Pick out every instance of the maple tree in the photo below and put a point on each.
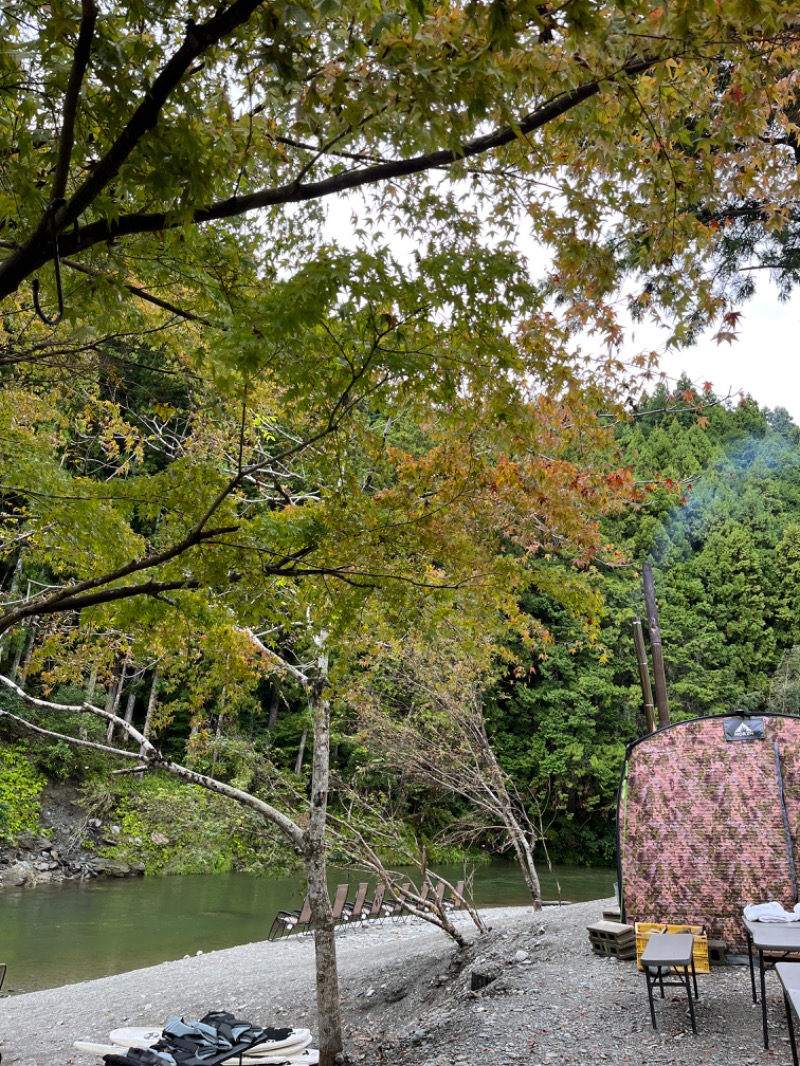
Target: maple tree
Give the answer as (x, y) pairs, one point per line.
(199, 394)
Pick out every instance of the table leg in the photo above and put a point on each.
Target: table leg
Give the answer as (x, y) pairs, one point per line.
(650, 982)
(763, 996)
(752, 970)
(790, 1025)
(694, 978)
(689, 994)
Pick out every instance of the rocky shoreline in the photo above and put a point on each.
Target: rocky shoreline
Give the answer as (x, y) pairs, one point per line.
(65, 849)
(408, 1000)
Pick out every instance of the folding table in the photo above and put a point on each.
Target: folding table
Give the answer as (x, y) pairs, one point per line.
(789, 977)
(778, 938)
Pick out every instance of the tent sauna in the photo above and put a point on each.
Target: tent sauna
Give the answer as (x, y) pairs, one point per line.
(707, 821)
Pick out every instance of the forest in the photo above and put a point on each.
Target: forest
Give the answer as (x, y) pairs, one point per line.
(716, 512)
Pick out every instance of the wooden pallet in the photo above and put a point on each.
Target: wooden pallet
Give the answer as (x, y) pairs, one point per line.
(613, 940)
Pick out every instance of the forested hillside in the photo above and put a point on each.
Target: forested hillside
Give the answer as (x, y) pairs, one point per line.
(715, 509)
(719, 520)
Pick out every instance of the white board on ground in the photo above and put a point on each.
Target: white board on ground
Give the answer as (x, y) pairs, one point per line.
(147, 1035)
(292, 1056)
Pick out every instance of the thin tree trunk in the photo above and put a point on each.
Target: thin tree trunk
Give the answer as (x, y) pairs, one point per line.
(12, 673)
(92, 685)
(129, 706)
(113, 701)
(26, 660)
(274, 701)
(298, 763)
(148, 718)
(521, 845)
(151, 705)
(328, 1007)
(220, 717)
(520, 840)
(13, 589)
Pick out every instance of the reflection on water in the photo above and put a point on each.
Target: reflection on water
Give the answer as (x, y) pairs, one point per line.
(59, 934)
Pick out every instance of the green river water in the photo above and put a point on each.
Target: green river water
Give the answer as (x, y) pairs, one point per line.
(59, 934)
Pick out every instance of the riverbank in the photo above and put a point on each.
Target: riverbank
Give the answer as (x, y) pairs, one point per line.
(407, 1001)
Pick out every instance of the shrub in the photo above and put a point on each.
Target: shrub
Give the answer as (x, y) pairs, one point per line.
(20, 793)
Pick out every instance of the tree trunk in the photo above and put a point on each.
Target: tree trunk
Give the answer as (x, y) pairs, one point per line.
(13, 589)
(12, 673)
(298, 763)
(92, 684)
(26, 659)
(524, 852)
(659, 673)
(504, 805)
(129, 706)
(148, 719)
(151, 705)
(274, 700)
(114, 697)
(328, 1007)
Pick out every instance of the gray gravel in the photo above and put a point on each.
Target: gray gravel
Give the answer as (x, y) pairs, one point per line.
(406, 1000)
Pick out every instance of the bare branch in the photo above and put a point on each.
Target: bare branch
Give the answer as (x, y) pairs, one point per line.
(147, 752)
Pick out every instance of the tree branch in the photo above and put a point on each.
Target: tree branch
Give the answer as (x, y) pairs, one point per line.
(80, 62)
(36, 250)
(149, 754)
(199, 38)
(137, 290)
(73, 595)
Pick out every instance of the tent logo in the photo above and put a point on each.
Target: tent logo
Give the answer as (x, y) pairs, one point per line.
(744, 728)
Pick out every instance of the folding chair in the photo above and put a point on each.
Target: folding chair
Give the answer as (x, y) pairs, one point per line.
(286, 922)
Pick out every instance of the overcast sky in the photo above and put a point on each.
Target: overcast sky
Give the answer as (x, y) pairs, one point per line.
(762, 361)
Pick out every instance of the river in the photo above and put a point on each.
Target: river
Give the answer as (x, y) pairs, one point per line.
(59, 934)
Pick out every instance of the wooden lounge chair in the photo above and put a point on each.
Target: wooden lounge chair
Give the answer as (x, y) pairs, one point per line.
(437, 899)
(373, 908)
(397, 907)
(354, 912)
(456, 901)
(339, 901)
(286, 922)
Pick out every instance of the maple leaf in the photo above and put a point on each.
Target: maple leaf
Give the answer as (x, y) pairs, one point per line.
(725, 335)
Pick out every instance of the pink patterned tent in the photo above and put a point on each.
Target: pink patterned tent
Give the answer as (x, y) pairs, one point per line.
(708, 824)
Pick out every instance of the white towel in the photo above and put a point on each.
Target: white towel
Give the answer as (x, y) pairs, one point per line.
(771, 912)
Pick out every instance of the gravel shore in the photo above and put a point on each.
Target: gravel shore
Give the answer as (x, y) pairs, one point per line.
(407, 1001)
